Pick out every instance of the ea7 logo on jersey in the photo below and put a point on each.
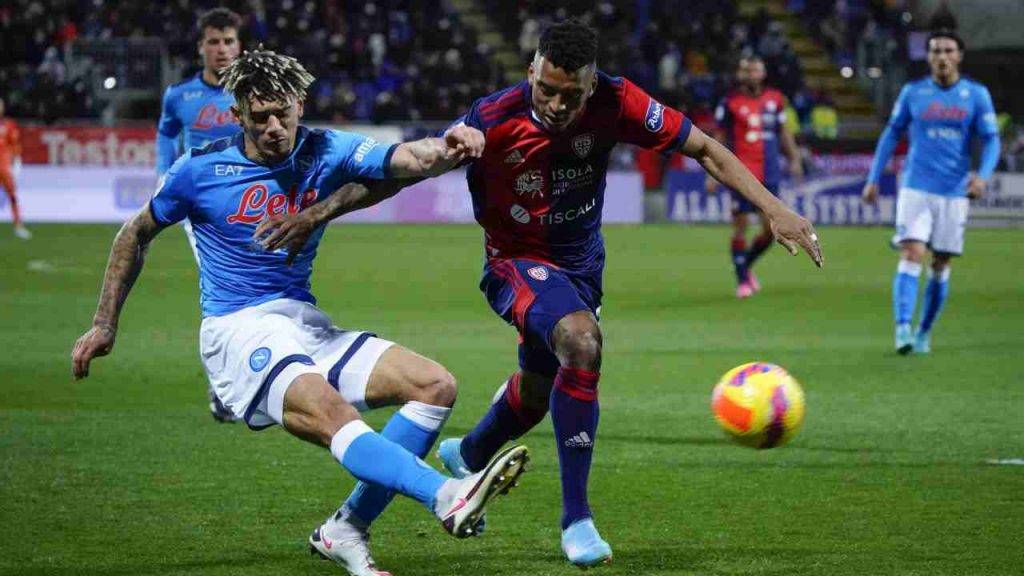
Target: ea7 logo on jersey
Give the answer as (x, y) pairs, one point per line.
(538, 273)
(530, 182)
(655, 118)
(582, 144)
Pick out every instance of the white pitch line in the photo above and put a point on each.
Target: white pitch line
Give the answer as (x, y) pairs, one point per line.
(1006, 462)
(40, 266)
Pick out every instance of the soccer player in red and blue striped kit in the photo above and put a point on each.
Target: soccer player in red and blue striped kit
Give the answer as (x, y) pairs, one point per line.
(538, 191)
(752, 121)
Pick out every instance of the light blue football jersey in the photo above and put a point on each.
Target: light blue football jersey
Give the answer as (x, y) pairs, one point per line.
(942, 121)
(225, 195)
(198, 112)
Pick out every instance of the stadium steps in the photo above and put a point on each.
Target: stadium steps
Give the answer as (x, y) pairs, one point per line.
(472, 15)
(857, 114)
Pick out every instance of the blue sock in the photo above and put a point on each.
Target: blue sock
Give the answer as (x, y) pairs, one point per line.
(414, 427)
(507, 419)
(373, 458)
(935, 294)
(904, 291)
(761, 245)
(574, 413)
(739, 258)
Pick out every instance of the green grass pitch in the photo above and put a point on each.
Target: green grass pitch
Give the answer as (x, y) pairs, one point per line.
(126, 474)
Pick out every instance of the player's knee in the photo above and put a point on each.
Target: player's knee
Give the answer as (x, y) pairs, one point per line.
(315, 413)
(437, 387)
(912, 252)
(940, 262)
(581, 348)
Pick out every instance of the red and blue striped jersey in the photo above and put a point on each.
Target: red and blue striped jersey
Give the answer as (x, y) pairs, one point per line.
(539, 194)
(752, 126)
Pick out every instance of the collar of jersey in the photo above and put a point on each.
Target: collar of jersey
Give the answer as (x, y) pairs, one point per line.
(300, 138)
(944, 88)
(203, 81)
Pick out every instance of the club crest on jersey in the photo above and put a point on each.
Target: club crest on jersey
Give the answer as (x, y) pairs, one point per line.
(538, 273)
(305, 163)
(655, 118)
(582, 144)
(530, 182)
(259, 359)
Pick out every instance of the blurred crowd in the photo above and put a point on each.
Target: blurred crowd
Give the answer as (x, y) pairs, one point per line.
(379, 61)
(682, 51)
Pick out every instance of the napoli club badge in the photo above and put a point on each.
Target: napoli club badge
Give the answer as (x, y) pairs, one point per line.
(582, 144)
(259, 359)
(538, 273)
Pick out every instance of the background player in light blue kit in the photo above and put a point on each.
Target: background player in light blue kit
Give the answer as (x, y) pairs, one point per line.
(271, 355)
(197, 111)
(943, 113)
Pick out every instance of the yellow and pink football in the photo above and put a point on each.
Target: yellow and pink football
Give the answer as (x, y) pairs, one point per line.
(759, 404)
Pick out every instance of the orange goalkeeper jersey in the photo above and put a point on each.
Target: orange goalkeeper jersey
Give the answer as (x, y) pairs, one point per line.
(10, 143)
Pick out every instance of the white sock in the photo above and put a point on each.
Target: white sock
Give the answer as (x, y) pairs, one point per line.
(344, 437)
(426, 416)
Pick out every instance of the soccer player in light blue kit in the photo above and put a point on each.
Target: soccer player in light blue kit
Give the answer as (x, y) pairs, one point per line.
(198, 111)
(943, 113)
(271, 355)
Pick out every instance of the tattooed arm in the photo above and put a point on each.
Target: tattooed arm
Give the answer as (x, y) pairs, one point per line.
(123, 267)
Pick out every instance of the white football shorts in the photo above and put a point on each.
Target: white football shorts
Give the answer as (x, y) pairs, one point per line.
(934, 219)
(251, 357)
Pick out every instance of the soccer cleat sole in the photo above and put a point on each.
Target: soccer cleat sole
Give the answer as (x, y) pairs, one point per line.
(506, 479)
(602, 562)
(905, 349)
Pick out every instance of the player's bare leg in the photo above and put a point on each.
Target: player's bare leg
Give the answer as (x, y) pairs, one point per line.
(314, 411)
(428, 392)
(935, 294)
(577, 342)
(904, 292)
(738, 249)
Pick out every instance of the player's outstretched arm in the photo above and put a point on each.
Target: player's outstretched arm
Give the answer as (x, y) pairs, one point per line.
(791, 230)
(294, 230)
(433, 156)
(123, 267)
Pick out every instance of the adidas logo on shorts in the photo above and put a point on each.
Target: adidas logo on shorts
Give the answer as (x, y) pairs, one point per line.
(581, 440)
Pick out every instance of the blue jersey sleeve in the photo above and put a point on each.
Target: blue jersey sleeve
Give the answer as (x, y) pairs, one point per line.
(985, 123)
(350, 156)
(898, 122)
(901, 117)
(167, 134)
(174, 194)
(986, 126)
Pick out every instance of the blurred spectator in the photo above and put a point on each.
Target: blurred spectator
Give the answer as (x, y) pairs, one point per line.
(824, 118)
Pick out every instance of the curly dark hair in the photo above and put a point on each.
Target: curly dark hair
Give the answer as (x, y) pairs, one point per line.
(218, 19)
(569, 45)
(265, 76)
(946, 33)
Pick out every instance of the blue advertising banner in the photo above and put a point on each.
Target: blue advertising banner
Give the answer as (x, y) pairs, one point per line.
(821, 197)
